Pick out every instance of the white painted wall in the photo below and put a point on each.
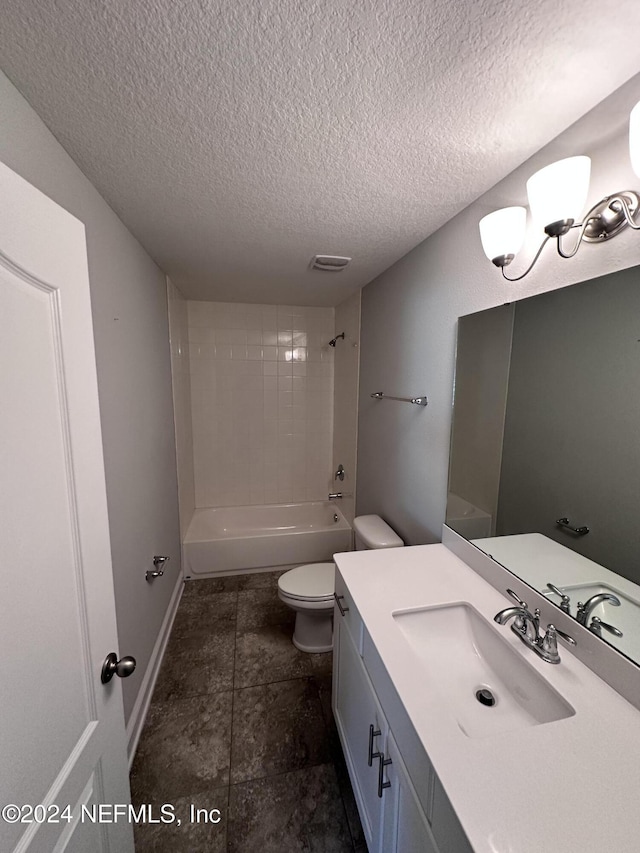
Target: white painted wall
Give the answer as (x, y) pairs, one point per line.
(409, 317)
(180, 374)
(262, 402)
(129, 305)
(345, 401)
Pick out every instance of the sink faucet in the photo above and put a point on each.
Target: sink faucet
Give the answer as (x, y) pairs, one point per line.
(585, 610)
(525, 623)
(526, 626)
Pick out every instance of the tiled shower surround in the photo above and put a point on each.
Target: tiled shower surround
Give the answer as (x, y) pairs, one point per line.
(262, 402)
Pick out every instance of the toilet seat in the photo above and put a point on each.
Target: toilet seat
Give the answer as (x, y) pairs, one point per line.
(311, 582)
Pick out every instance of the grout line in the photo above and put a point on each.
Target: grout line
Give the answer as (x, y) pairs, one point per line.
(277, 681)
(285, 773)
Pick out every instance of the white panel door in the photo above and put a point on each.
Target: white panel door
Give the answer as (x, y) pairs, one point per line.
(405, 825)
(62, 740)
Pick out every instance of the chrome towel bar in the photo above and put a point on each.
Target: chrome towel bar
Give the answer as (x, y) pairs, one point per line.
(419, 401)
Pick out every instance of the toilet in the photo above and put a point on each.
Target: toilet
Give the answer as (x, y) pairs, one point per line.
(309, 589)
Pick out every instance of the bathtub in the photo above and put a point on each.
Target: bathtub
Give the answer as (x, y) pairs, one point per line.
(224, 540)
(466, 519)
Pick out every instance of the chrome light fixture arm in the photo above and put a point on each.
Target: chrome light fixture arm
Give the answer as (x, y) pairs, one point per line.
(583, 227)
(504, 260)
(605, 219)
(620, 204)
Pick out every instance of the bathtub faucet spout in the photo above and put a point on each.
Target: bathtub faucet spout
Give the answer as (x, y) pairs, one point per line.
(335, 496)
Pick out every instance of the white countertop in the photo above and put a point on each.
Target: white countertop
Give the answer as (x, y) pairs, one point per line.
(569, 786)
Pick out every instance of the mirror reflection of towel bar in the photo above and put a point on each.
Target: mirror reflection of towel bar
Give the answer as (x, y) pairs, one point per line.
(579, 531)
(418, 401)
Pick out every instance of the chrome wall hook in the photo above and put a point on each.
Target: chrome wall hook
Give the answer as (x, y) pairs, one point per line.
(158, 572)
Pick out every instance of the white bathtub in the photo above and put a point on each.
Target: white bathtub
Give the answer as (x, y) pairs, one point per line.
(224, 540)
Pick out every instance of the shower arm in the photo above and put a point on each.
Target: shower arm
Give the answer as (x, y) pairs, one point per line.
(333, 341)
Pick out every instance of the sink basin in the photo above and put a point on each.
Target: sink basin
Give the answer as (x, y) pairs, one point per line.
(469, 664)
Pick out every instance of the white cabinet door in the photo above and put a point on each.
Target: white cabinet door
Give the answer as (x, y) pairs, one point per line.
(62, 736)
(405, 825)
(358, 717)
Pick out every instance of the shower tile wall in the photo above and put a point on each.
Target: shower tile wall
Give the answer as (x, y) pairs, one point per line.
(262, 402)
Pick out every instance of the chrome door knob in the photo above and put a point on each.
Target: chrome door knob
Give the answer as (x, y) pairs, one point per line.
(112, 666)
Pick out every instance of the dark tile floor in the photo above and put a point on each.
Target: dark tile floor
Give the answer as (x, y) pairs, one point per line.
(241, 722)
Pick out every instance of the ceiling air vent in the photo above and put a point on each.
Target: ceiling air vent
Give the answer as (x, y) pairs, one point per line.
(329, 263)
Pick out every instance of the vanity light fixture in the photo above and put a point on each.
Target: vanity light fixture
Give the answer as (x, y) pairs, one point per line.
(557, 195)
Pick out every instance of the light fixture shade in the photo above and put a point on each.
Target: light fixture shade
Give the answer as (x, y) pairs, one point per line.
(634, 138)
(502, 232)
(559, 191)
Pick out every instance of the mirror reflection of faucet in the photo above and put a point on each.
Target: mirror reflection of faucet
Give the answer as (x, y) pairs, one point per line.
(597, 625)
(584, 610)
(566, 601)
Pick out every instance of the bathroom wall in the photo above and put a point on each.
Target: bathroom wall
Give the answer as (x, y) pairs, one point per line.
(262, 402)
(345, 415)
(409, 317)
(181, 377)
(129, 305)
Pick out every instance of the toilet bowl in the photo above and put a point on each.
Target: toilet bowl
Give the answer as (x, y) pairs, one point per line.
(309, 589)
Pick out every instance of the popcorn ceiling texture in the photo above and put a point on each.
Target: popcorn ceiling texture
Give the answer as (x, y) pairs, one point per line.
(237, 138)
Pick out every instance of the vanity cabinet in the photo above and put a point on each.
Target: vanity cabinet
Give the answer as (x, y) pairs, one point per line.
(405, 827)
(363, 731)
(402, 810)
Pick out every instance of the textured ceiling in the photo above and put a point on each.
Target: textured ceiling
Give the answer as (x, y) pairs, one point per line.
(237, 138)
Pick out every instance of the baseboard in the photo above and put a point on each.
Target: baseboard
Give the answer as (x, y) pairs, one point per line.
(141, 707)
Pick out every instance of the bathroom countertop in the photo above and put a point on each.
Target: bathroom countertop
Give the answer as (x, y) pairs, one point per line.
(569, 785)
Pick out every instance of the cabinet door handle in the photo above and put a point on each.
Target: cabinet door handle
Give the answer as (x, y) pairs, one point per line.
(342, 609)
(372, 733)
(383, 763)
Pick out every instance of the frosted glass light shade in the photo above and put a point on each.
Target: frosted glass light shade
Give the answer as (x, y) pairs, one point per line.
(559, 191)
(502, 232)
(634, 138)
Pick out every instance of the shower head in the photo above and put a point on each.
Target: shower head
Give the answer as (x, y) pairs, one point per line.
(333, 341)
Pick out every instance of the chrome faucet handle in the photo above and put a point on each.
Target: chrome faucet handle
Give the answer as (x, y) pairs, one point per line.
(566, 637)
(549, 644)
(565, 602)
(552, 631)
(597, 625)
(518, 600)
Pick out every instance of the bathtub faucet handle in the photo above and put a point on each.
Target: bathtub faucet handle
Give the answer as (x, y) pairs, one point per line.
(335, 496)
(339, 475)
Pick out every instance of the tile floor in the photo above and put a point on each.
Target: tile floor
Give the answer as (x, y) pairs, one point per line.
(241, 722)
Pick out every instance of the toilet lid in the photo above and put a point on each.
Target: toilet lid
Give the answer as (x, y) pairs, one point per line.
(314, 581)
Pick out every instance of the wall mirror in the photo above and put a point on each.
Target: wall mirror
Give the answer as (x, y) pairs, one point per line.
(545, 452)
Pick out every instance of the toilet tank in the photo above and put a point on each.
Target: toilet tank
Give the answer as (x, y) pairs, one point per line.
(371, 532)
